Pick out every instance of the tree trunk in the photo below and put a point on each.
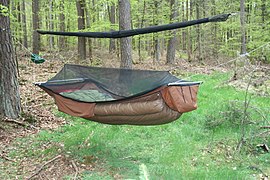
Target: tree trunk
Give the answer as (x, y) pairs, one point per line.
(112, 46)
(51, 25)
(198, 30)
(24, 25)
(264, 12)
(243, 26)
(19, 28)
(214, 32)
(189, 15)
(89, 40)
(36, 36)
(10, 105)
(81, 25)
(62, 39)
(172, 41)
(141, 26)
(184, 31)
(156, 39)
(125, 43)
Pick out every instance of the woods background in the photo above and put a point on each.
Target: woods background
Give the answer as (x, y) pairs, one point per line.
(245, 31)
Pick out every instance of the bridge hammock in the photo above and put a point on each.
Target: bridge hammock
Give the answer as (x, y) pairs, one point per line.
(123, 96)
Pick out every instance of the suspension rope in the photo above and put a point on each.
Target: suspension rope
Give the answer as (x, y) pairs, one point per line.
(235, 59)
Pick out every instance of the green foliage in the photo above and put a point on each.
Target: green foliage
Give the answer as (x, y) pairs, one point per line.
(4, 10)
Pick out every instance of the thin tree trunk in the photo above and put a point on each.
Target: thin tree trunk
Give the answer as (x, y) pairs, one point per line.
(243, 26)
(36, 36)
(10, 105)
(156, 39)
(142, 24)
(81, 25)
(214, 29)
(264, 12)
(172, 41)
(125, 43)
(89, 40)
(24, 25)
(184, 31)
(198, 29)
(189, 15)
(51, 25)
(112, 46)
(19, 19)
(62, 39)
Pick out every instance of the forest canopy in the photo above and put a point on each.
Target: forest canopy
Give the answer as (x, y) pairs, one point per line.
(199, 42)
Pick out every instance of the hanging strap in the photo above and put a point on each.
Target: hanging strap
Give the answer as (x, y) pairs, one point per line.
(133, 32)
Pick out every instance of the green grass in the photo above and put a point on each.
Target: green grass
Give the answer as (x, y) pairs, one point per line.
(189, 148)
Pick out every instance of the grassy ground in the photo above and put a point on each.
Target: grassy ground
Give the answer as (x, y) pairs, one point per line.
(217, 141)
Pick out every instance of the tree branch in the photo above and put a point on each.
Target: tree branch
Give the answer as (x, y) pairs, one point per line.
(42, 167)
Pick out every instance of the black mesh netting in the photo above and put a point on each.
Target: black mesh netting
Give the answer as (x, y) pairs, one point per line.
(96, 84)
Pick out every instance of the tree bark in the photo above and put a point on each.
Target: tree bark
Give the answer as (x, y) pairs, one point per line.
(243, 26)
(264, 12)
(62, 39)
(89, 40)
(112, 46)
(125, 43)
(156, 39)
(36, 36)
(51, 25)
(184, 31)
(172, 41)
(24, 25)
(214, 32)
(198, 29)
(81, 25)
(141, 26)
(10, 105)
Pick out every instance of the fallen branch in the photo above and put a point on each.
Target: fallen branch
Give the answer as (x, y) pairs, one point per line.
(15, 121)
(36, 98)
(265, 127)
(6, 158)
(41, 168)
(76, 169)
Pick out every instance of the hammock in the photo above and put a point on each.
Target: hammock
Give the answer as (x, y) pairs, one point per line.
(121, 96)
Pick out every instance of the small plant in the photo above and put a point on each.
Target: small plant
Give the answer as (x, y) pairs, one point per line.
(28, 117)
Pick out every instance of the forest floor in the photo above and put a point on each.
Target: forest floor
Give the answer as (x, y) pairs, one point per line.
(39, 114)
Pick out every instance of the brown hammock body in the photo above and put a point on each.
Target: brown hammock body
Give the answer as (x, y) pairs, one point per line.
(160, 106)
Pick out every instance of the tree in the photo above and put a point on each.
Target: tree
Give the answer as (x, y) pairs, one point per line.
(198, 30)
(155, 37)
(112, 46)
(81, 25)
(172, 41)
(125, 43)
(25, 40)
(36, 36)
(62, 39)
(243, 27)
(10, 105)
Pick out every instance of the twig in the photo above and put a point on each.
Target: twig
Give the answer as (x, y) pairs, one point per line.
(263, 133)
(6, 158)
(34, 99)
(41, 168)
(15, 121)
(265, 127)
(76, 169)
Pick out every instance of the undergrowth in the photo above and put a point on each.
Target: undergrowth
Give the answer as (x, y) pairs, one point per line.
(202, 144)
